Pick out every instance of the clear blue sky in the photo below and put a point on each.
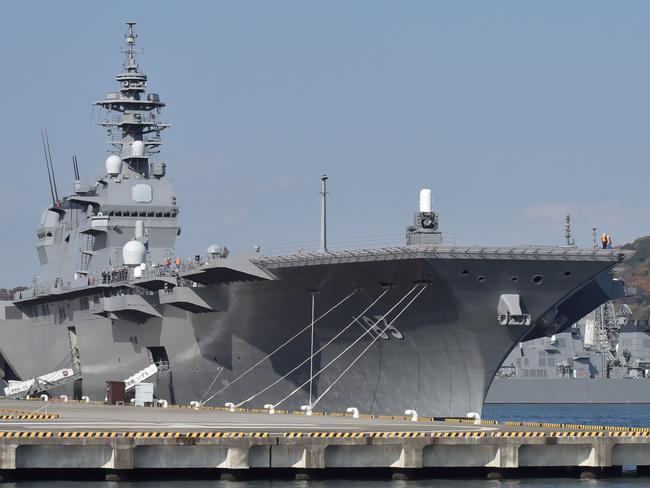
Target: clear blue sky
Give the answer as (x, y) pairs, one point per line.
(512, 112)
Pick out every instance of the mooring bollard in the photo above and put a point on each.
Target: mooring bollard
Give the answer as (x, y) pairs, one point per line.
(354, 411)
(64, 398)
(413, 414)
(476, 416)
(306, 409)
(270, 408)
(230, 406)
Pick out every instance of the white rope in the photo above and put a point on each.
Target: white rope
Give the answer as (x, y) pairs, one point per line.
(221, 368)
(312, 405)
(311, 350)
(281, 346)
(315, 352)
(347, 348)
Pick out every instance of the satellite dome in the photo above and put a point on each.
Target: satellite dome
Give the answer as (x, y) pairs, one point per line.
(213, 249)
(137, 149)
(133, 253)
(113, 165)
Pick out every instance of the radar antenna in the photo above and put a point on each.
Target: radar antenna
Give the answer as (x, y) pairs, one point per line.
(130, 42)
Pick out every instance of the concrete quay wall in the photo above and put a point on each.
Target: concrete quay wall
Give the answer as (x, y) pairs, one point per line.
(321, 453)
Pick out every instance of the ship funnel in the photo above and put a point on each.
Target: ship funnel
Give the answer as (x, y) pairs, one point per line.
(425, 200)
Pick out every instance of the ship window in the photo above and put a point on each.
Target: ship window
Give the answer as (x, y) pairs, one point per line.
(464, 272)
(127, 214)
(537, 279)
(167, 215)
(150, 214)
(567, 273)
(480, 278)
(141, 193)
(118, 214)
(159, 214)
(514, 279)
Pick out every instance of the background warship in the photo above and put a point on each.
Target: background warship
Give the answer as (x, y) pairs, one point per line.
(421, 326)
(599, 359)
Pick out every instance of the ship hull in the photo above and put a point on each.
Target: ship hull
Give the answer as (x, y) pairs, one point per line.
(563, 390)
(439, 357)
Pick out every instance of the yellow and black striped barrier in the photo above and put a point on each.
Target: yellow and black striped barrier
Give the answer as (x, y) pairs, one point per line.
(326, 435)
(30, 416)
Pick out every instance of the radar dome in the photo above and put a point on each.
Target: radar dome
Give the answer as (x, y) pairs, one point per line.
(137, 149)
(213, 249)
(133, 253)
(113, 165)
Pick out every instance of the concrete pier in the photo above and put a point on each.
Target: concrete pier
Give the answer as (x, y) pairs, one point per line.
(230, 445)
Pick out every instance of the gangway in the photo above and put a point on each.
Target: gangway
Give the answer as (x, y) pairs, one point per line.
(22, 389)
(149, 372)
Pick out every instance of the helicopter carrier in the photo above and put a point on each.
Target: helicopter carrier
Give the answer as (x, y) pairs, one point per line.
(423, 325)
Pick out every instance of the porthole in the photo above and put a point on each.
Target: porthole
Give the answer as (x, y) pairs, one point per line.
(567, 273)
(514, 279)
(480, 278)
(464, 272)
(537, 279)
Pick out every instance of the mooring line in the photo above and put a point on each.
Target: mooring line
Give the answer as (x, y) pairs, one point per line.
(312, 405)
(314, 353)
(347, 348)
(281, 346)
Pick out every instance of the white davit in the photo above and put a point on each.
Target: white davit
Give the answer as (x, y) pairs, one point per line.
(425, 200)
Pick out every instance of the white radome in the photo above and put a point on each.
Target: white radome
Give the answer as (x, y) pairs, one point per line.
(137, 148)
(133, 253)
(113, 165)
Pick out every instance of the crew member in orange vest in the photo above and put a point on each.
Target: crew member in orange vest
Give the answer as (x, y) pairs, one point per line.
(603, 240)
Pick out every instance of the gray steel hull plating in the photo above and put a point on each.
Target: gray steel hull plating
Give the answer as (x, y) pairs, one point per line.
(441, 361)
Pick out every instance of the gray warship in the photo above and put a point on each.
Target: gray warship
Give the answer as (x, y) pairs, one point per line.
(423, 325)
(603, 358)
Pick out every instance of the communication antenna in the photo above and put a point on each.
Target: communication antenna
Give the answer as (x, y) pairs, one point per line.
(75, 167)
(47, 165)
(593, 230)
(570, 241)
(323, 213)
(49, 157)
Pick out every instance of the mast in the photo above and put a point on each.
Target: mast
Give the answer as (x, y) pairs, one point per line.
(134, 133)
(323, 214)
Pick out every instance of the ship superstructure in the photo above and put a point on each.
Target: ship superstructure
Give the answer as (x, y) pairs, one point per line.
(421, 326)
